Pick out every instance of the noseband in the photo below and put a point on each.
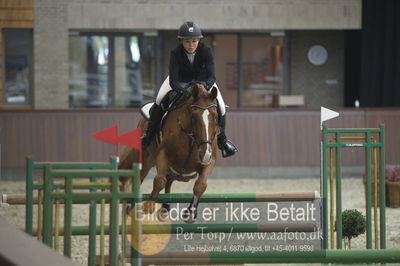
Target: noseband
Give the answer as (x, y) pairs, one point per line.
(190, 134)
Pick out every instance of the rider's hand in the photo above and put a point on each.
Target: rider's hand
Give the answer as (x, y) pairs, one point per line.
(204, 84)
(199, 82)
(185, 93)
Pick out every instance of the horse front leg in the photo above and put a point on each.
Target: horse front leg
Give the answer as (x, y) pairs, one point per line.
(163, 212)
(190, 214)
(159, 183)
(166, 205)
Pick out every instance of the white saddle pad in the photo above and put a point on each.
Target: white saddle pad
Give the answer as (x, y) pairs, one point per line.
(145, 110)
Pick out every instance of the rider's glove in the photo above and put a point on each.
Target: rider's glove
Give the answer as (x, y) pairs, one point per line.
(202, 83)
(205, 85)
(185, 93)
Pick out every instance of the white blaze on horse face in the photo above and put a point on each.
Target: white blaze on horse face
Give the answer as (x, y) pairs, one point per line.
(207, 155)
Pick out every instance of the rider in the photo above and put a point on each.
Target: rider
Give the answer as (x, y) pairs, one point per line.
(190, 61)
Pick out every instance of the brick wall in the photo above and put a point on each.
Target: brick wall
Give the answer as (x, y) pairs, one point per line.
(51, 55)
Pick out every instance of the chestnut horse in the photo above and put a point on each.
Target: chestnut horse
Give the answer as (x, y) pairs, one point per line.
(184, 149)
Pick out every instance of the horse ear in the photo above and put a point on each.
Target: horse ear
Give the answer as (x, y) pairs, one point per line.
(196, 91)
(214, 93)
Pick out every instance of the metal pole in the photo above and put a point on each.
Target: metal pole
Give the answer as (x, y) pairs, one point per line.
(102, 216)
(331, 199)
(339, 241)
(92, 226)
(47, 208)
(68, 216)
(136, 259)
(383, 199)
(368, 205)
(123, 232)
(376, 240)
(324, 190)
(114, 221)
(29, 196)
(57, 226)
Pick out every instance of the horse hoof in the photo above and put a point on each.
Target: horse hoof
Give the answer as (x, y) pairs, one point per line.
(162, 214)
(166, 206)
(188, 217)
(129, 208)
(149, 206)
(189, 221)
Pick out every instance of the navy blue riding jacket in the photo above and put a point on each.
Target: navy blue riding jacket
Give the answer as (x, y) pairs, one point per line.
(202, 69)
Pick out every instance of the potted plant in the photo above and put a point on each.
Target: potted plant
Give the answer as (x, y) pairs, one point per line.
(392, 187)
(353, 223)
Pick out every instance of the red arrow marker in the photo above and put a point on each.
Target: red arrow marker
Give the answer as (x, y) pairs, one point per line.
(109, 135)
(132, 139)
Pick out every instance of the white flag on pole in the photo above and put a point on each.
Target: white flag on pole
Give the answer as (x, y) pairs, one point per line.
(327, 114)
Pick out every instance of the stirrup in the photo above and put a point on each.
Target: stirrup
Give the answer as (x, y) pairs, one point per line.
(231, 149)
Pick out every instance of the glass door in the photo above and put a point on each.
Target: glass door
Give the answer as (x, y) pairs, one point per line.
(112, 70)
(134, 70)
(88, 69)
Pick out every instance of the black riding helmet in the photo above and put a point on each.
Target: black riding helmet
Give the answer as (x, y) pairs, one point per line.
(189, 30)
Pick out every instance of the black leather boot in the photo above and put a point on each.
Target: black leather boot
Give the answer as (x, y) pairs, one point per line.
(155, 118)
(227, 148)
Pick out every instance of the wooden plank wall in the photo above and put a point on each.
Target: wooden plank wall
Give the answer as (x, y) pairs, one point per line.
(264, 138)
(13, 14)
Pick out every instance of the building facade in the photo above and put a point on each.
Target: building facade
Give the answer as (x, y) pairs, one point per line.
(114, 54)
(69, 68)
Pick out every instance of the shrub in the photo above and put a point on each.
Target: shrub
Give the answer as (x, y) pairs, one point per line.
(353, 223)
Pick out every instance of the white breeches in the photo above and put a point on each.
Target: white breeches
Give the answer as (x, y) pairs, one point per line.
(165, 88)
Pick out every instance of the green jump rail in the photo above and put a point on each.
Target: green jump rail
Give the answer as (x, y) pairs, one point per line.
(202, 228)
(245, 257)
(235, 197)
(17, 199)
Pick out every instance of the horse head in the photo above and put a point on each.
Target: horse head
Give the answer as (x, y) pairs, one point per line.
(203, 120)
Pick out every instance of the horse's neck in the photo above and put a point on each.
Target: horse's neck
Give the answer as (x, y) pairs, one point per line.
(182, 111)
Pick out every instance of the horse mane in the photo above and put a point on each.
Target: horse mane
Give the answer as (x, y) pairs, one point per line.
(198, 91)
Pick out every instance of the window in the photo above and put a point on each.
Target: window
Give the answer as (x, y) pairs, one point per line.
(18, 66)
(262, 69)
(112, 70)
(135, 70)
(88, 68)
(258, 59)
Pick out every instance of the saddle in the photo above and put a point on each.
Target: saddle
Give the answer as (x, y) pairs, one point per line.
(170, 102)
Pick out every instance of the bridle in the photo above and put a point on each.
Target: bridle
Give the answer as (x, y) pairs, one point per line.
(191, 136)
(190, 133)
